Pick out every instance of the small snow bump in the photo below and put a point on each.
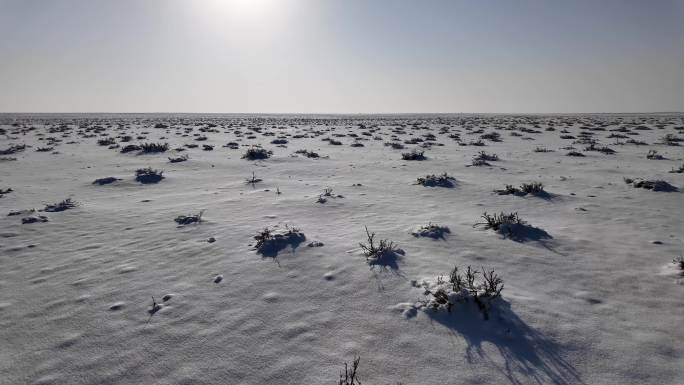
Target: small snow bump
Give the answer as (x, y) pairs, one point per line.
(127, 269)
(271, 297)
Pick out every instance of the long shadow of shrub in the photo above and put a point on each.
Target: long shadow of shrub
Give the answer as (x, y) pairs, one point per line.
(653, 185)
(511, 226)
(527, 355)
(384, 254)
(270, 241)
(533, 189)
(523, 232)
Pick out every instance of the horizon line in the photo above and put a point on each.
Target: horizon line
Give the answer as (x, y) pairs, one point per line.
(340, 113)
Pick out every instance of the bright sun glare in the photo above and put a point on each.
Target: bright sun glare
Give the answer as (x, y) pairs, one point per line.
(242, 6)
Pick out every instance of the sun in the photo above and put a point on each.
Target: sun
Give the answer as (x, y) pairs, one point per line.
(241, 6)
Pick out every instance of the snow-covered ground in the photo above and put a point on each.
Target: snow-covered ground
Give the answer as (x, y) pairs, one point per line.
(591, 294)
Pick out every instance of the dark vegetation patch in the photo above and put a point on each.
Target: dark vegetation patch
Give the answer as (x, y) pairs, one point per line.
(148, 175)
(443, 180)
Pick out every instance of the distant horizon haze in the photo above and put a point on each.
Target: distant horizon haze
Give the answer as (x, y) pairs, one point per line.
(346, 57)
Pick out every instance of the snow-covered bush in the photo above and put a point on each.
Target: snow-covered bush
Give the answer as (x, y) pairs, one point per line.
(327, 193)
(257, 153)
(500, 222)
(443, 180)
(152, 148)
(655, 185)
(271, 240)
(148, 175)
(179, 159)
(129, 148)
(188, 219)
(535, 188)
(34, 219)
(382, 253)
(679, 262)
(431, 231)
(107, 180)
(463, 287)
(483, 156)
(308, 154)
(61, 206)
(413, 155)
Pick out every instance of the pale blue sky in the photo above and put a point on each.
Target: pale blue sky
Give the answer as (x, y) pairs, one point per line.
(341, 56)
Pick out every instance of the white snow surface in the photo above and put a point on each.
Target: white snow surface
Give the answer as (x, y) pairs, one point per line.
(598, 302)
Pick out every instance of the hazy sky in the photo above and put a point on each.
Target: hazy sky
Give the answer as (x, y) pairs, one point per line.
(337, 56)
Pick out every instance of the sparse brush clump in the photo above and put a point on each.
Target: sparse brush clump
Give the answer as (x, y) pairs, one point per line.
(413, 155)
(671, 140)
(395, 145)
(486, 157)
(179, 159)
(308, 154)
(637, 142)
(653, 155)
(34, 219)
(479, 162)
(61, 206)
(535, 188)
(189, 219)
(604, 149)
(104, 181)
(152, 148)
(679, 262)
(253, 180)
(106, 142)
(13, 149)
(257, 153)
(380, 253)
(482, 158)
(327, 193)
(443, 180)
(462, 288)
(349, 376)
(431, 230)
(129, 148)
(493, 136)
(148, 175)
(532, 188)
(502, 223)
(509, 190)
(270, 241)
(679, 170)
(654, 185)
